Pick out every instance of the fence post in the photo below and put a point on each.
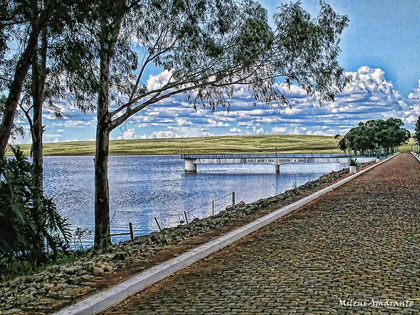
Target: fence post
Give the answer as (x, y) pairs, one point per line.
(158, 224)
(212, 207)
(130, 225)
(233, 199)
(185, 214)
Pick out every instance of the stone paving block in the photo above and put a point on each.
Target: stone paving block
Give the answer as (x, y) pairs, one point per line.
(357, 243)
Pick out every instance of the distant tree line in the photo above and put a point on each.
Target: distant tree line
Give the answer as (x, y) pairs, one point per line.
(375, 136)
(417, 131)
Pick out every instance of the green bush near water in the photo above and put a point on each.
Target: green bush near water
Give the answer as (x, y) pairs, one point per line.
(27, 218)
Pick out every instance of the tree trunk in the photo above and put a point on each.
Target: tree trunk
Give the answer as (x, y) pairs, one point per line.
(108, 38)
(38, 79)
(38, 85)
(15, 90)
(102, 222)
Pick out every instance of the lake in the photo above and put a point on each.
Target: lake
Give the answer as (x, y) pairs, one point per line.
(144, 187)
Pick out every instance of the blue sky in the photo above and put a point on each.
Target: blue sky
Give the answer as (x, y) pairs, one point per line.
(380, 48)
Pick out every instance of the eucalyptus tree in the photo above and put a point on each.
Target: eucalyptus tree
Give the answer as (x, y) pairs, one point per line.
(21, 22)
(207, 48)
(54, 75)
(46, 66)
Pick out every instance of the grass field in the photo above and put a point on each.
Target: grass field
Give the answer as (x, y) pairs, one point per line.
(218, 144)
(407, 147)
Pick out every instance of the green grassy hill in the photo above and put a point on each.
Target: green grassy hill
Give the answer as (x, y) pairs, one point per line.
(218, 144)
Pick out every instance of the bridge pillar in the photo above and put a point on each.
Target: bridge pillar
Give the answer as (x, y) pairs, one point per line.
(278, 168)
(190, 166)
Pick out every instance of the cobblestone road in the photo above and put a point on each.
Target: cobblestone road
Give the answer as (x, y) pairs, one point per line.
(357, 249)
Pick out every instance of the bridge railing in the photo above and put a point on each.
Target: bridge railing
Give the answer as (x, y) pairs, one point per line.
(265, 155)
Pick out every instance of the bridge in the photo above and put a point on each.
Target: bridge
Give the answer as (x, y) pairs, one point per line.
(191, 160)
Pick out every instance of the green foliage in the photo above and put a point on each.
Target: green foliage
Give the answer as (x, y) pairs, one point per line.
(353, 162)
(27, 217)
(208, 47)
(374, 136)
(295, 188)
(78, 235)
(17, 130)
(308, 49)
(417, 131)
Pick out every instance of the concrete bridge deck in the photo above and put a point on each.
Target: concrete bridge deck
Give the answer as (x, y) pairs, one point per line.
(191, 160)
(354, 250)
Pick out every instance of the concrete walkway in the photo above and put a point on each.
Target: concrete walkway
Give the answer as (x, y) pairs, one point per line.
(356, 249)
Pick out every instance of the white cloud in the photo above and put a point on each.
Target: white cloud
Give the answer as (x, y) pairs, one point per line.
(416, 94)
(368, 96)
(177, 132)
(214, 123)
(412, 112)
(259, 131)
(128, 134)
(76, 123)
(183, 121)
(157, 81)
(291, 111)
(163, 134)
(248, 124)
(278, 129)
(293, 91)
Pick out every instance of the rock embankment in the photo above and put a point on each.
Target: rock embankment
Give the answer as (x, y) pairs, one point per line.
(60, 285)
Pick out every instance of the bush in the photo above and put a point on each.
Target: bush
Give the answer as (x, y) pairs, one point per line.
(27, 217)
(353, 162)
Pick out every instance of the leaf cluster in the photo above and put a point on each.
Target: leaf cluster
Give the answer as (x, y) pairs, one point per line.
(211, 47)
(27, 216)
(417, 130)
(353, 162)
(306, 49)
(68, 61)
(374, 135)
(17, 130)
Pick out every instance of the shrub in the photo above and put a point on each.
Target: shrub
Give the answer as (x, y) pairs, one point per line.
(27, 217)
(353, 162)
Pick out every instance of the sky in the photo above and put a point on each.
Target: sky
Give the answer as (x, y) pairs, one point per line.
(380, 49)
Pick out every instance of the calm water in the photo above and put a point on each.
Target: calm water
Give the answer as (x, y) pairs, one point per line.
(144, 187)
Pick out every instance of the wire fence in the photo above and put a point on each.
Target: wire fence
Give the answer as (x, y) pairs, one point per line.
(201, 211)
(83, 238)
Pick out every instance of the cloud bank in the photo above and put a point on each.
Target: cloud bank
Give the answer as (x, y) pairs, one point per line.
(368, 96)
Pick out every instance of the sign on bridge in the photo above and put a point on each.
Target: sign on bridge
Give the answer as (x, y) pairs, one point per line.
(261, 160)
